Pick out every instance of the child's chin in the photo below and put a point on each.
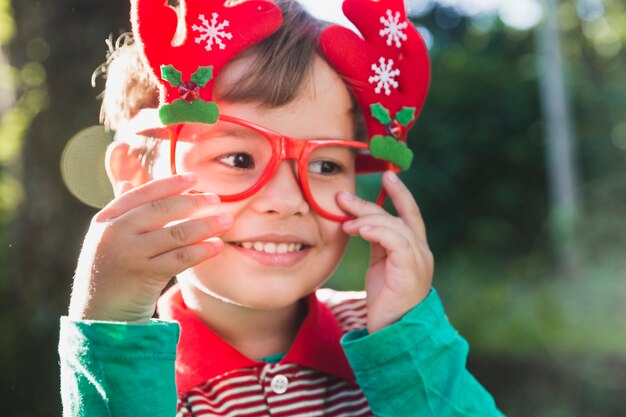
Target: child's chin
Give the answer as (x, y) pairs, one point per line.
(265, 300)
(261, 297)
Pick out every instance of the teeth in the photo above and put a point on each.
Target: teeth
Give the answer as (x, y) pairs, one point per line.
(282, 248)
(271, 247)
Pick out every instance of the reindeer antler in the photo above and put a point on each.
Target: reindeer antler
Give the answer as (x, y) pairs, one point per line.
(388, 70)
(214, 32)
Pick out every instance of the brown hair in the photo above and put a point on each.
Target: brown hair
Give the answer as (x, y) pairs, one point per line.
(280, 65)
(129, 85)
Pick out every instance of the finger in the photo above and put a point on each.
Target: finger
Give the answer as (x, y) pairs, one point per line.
(352, 227)
(393, 245)
(176, 261)
(404, 203)
(150, 191)
(158, 213)
(356, 206)
(185, 234)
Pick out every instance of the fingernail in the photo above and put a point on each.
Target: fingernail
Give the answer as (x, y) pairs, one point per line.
(216, 243)
(393, 177)
(346, 196)
(349, 223)
(365, 229)
(224, 219)
(212, 198)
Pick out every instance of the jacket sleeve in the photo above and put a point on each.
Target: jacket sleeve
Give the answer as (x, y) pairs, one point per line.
(117, 369)
(417, 367)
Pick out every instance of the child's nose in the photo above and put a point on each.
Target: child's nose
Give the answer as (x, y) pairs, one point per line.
(282, 194)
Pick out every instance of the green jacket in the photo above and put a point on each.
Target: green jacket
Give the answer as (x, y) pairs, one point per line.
(415, 367)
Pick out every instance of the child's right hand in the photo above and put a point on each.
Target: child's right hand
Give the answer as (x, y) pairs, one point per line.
(131, 250)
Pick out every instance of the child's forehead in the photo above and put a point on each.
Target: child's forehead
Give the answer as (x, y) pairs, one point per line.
(320, 81)
(246, 70)
(234, 72)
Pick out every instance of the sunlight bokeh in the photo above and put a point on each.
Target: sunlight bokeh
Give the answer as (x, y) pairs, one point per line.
(520, 14)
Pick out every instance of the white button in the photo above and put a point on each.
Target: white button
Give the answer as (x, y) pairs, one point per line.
(279, 384)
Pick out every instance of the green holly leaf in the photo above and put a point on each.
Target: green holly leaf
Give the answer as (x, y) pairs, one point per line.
(392, 150)
(171, 75)
(180, 111)
(380, 113)
(203, 75)
(406, 115)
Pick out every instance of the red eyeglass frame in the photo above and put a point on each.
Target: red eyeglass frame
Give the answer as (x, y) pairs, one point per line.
(285, 147)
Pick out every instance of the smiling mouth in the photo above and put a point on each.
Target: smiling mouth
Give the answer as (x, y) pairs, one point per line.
(271, 247)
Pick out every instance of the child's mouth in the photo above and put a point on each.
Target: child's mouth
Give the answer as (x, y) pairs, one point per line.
(273, 254)
(271, 247)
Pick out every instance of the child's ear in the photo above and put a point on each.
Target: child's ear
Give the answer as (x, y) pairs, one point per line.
(124, 164)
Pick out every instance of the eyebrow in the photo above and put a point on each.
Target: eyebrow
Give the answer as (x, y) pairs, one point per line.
(234, 130)
(230, 131)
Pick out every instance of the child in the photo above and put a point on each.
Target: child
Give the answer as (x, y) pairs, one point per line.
(255, 225)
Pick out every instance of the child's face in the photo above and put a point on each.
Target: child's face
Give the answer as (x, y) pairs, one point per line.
(278, 218)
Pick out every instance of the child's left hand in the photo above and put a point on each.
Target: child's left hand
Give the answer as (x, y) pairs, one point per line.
(401, 264)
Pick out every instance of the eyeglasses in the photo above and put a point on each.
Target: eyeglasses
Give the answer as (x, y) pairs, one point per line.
(234, 159)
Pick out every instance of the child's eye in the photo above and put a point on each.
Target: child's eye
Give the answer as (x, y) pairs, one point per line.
(325, 167)
(238, 160)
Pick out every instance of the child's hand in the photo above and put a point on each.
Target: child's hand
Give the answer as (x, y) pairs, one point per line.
(131, 250)
(401, 264)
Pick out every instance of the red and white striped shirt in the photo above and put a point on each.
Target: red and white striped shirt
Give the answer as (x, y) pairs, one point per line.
(314, 378)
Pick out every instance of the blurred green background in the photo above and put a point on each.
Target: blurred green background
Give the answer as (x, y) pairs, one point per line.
(529, 244)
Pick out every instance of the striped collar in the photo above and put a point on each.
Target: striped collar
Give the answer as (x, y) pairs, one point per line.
(202, 355)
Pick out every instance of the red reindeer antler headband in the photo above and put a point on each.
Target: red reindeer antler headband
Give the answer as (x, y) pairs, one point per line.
(388, 70)
(215, 31)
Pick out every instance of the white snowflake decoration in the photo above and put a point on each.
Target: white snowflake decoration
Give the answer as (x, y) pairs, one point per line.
(393, 29)
(384, 75)
(212, 32)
